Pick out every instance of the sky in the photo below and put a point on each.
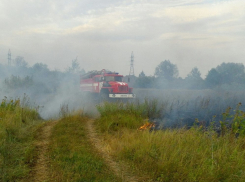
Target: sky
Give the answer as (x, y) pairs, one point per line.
(103, 34)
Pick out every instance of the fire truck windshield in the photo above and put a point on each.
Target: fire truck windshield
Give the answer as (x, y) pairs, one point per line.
(113, 78)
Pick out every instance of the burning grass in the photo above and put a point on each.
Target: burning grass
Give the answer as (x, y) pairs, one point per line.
(177, 154)
(146, 126)
(178, 108)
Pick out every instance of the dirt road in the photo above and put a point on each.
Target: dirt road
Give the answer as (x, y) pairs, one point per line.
(40, 170)
(120, 169)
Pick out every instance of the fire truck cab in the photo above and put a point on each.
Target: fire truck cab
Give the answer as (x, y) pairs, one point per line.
(106, 84)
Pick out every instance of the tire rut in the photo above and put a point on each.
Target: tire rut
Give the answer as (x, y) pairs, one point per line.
(121, 170)
(40, 170)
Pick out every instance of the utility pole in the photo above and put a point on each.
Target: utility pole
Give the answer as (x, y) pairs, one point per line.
(9, 58)
(131, 72)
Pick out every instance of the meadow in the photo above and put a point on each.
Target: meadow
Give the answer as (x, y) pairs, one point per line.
(187, 135)
(181, 107)
(18, 124)
(72, 156)
(197, 153)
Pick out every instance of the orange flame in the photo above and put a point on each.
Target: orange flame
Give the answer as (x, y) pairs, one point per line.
(147, 126)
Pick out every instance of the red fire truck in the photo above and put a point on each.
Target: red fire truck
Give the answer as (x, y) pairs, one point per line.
(106, 85)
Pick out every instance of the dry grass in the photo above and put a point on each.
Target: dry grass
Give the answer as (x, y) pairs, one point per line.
(174, 154)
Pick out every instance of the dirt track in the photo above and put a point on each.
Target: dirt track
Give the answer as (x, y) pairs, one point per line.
(40, 170)
(121, 170)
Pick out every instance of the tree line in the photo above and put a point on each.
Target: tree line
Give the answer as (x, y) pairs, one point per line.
(19, 78)
(225, 75)
(40, 79)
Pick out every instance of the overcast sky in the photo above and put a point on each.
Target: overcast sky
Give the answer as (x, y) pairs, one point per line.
(103, 33)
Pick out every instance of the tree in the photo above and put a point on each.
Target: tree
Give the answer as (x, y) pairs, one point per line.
(40, 72)
(15, 82)
(194, 74)
(38, 67)
(226, 73)
(213, 78)
(20, 62)
(231, 72)
(194, 80)
(75, 67)
(82, 71)
(167, 70)
(145, 82)
(142, 74)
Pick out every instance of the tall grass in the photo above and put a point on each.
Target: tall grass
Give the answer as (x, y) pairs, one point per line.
(182, 107)
(72, 157)
(129, 115)
(17, 121)
(195, 154)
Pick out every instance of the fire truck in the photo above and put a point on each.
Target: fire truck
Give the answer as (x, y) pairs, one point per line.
(106, 84)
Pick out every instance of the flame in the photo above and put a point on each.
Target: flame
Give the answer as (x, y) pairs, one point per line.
(147, 126)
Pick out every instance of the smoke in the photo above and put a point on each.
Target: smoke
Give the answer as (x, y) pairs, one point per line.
(182, 107)
(51, 91)
(47, 90)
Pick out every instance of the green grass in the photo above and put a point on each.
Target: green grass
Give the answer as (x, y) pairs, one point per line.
(166, 155)
(114, 116)
(173, 155)
(18, 124)
(72, 157)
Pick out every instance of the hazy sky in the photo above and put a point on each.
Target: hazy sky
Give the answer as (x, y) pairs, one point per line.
(103, 33)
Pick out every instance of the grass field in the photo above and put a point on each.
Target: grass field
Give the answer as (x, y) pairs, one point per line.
(72, 157)
(18, 125)
(173, 154)
(182, 107)
(198, 152)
